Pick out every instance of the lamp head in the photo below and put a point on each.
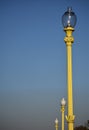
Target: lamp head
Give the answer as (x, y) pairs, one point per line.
(56, 121)
(63, 102)
(69, 18)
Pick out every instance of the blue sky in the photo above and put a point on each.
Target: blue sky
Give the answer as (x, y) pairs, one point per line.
(33, 63)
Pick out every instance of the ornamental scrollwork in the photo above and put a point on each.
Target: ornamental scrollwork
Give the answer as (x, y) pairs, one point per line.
(70, 118)
(69, 39)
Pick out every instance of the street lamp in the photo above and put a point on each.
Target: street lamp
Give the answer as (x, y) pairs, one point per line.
(56, 124)
(69, 18)
(69, 21)
(63, 103)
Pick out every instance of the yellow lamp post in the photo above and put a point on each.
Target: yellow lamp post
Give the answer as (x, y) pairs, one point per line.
(69, 21)
(56, 124)
(63, 103)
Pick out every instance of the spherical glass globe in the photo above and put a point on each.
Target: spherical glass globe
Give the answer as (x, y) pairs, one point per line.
(69, 18)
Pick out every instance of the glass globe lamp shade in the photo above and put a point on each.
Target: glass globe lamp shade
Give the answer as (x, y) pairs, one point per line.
(69, 18)
(56, 121)
(63, 102)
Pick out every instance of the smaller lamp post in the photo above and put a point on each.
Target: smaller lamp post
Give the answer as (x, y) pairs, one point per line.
(56, 124)
(63, 103)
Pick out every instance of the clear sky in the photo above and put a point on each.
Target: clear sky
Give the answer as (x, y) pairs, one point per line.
(33, 63)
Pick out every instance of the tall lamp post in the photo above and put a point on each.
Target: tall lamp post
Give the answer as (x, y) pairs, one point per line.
(63, 103)
(69, 21)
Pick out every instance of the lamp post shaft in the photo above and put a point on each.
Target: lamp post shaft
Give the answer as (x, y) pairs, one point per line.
(69, 40)
(69, 79)
(56, 126)
(62, 120)
(62, 110)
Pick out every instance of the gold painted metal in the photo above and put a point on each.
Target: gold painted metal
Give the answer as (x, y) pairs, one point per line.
(69, 40)
(62, 110)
